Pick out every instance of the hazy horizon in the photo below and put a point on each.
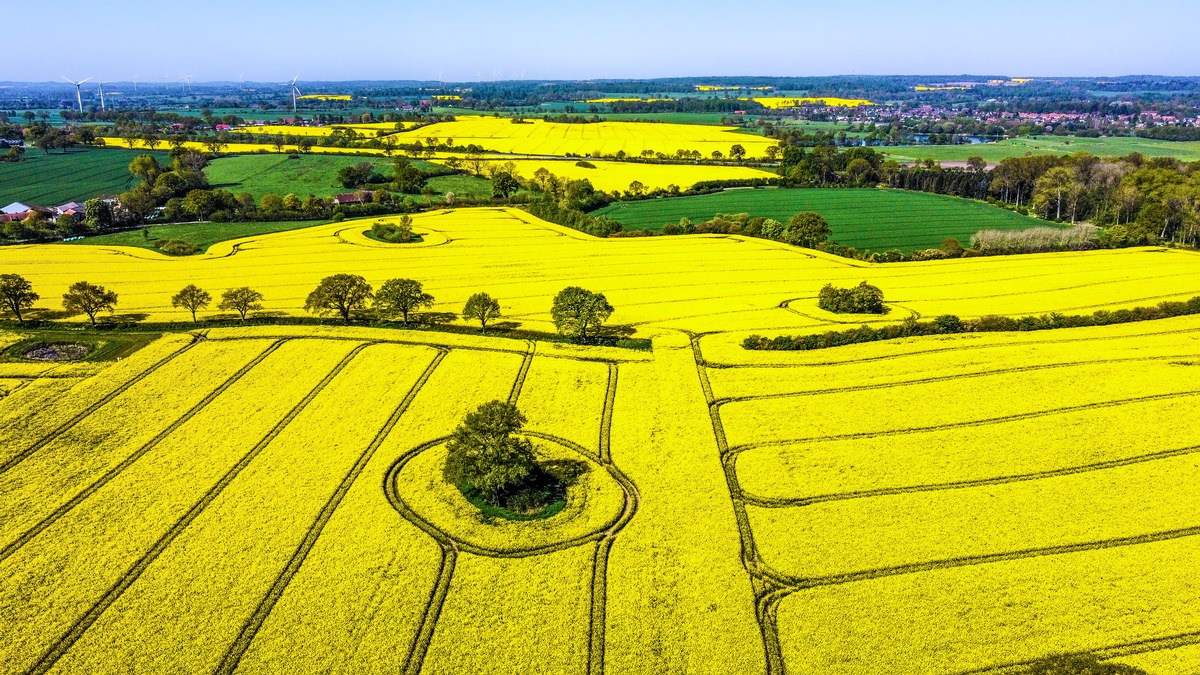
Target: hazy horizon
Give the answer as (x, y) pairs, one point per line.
(468, 41)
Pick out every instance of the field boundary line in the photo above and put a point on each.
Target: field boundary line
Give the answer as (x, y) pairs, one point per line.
(760, 575)
(970, 423)
(112, 473)
(89, 410)
(938, 350)
(946, 378)
(610, 399)
(785, 502)
(515, 392)
(253, 624)
(803, 583)
(1108, 653)
(64, 643)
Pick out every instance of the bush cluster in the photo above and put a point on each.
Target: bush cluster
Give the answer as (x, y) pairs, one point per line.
(949, 324)
(861, 299)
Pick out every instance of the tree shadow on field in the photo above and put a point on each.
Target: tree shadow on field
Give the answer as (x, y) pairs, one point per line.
(43, 314)
(123, 319)
(567, 471)
(615, 332)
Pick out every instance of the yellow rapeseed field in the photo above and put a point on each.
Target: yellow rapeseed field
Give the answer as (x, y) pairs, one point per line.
(269, 499)
(537, 137)
(774, 102)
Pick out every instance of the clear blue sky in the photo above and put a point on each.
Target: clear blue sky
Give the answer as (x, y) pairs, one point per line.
(502, 39)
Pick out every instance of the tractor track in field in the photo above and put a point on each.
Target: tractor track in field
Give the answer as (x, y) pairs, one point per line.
(253, 624)
(115, 471)
(451, 547)
(515, 393)
(764, 580)
(96, 405)
(937, 350)
(787, 502)
(1113, 651)
(1099, 405)
(64, 643)
(771, 586)
(948, 378)
(803, 583)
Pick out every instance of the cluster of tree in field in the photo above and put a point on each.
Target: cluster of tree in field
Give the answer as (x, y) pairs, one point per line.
(494, 467)
(949, 324)
(861, 299)
(577, 313)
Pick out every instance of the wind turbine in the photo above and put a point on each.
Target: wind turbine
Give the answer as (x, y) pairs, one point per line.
(188, 80)
(295, 92)
(78, 96)
(135, 77)
(101, 86)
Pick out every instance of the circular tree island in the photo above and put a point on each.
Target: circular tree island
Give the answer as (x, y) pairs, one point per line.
(497, 470)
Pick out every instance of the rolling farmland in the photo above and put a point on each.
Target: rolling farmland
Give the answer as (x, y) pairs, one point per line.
(270, 498)
(536, 137)
(278, 174)
(864, 218)
(1113, 146)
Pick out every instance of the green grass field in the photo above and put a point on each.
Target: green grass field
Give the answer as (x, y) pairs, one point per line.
(864, 218)
(57, 178)
(202, 235)
(272, 173)
(1048, 145)
(307, 174)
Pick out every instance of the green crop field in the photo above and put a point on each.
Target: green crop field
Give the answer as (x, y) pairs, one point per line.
(272, 173)
(864, 218)
(57, 178)
(1048, 145)
(202, 235)
(304, 175)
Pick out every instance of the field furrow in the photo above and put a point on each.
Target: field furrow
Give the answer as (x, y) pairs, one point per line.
(357, 602)
(515, 616)
(1021, 449)
(58, 575)
(679, 599)
(843, 537)
(100, 443)
(200, 594)
(25, 430)
(565, 397)
(971, 618)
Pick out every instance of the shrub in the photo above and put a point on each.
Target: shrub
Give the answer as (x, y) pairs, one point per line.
(176, 247)
(862, 299)
(396, 233)
(585, 164)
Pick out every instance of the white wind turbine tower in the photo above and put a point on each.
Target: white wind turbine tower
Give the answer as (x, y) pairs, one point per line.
(135, 77)
(295, 92)
(78, 96)
(101, 86)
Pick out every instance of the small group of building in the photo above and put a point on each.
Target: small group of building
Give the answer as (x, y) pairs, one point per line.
(20, 211)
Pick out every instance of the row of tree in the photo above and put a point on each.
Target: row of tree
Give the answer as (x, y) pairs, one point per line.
(576, 312)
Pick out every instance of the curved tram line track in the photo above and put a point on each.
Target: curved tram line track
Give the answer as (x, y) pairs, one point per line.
(451, 547)
(771, 586)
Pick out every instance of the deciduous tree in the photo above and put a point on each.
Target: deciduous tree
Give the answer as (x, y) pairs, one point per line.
(401, 296)
(481, 307)
(341, 293)
(192, 298)
(85, 298)
(17, 294)
(241, 300)
(577, 309)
